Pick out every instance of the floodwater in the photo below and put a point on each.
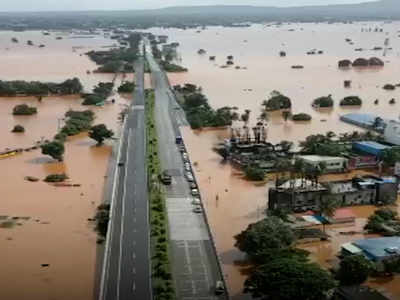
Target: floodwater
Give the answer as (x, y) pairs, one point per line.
(257, 49)
(56, 230)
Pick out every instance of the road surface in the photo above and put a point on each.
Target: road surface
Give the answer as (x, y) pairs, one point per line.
(195, 265)
(127, 266)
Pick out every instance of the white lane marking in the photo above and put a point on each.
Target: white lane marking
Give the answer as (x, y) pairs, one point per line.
(123, 214)
(134, 287)
(134, 271)
(106, 265)
(134, 256)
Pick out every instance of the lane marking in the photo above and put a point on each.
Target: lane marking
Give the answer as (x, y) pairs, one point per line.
(123, 215)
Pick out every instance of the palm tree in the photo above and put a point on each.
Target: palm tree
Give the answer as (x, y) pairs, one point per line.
(327, 208)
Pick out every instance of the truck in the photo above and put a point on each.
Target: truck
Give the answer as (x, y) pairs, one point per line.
(178, 140)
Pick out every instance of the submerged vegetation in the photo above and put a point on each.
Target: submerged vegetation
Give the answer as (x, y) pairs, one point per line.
(118, 59)
(24, 109)
(56, 178)
(351, 100)
(323, 102)
(100, 93)
(277, 101)
(36, 88)
(126, 87)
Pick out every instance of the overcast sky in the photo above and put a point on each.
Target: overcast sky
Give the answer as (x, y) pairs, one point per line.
(39, 5)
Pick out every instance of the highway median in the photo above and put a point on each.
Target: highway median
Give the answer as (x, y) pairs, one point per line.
(163, 287)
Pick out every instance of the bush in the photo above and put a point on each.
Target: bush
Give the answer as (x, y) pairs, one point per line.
(351, 100)
(24, 109)
(254, 173)
(389, 87)
(301, 117)
(277, 101)
(56, 178)
(18, 128)
(323, 102)
(126, 87)
(354, 270)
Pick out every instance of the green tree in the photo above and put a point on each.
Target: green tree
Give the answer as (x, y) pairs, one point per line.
(100, 132)
(286, 115)
(391, 156)
(55, 149)
(18, 129)
(354, 269)
(288, 279)
(270, 234)
(254, 173)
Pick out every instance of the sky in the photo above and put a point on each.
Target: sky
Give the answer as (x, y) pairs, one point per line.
(54, 5)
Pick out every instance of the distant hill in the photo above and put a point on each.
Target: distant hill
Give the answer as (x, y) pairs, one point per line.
(190, 16)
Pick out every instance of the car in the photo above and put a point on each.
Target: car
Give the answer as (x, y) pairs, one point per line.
(182, 149)
(192, 185)
(121, 164)
(185, 156)
(189, 176)
(187, 168)
(196, 201)
(194, 192)
(219, 287)
(165, 178)
(197, 210)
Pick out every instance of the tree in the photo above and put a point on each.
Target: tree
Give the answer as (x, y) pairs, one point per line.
(391, 156)
(24, 109)
(55, 149)
(327, 208)
(270, 234)
(277, 101)
(286, 115)
(254, 173)
(354, 270)
(18, 129)
(100, 132)
(288, 279)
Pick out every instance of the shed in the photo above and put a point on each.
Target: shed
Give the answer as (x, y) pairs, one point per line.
(370, 147)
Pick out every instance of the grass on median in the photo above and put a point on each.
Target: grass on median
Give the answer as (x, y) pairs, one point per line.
(163, 286)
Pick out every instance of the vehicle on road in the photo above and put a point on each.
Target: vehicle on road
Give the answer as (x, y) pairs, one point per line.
(189, 177)
(219, 288)
(192, 185)
(185, 157)
(121, 164)
(182, 148)
(196, 201)
(194, 192)
(178, 140)
(187, 167)
(165, 178)
(197, 210)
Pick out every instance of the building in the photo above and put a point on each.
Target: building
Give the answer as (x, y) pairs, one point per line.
(375, 249)
(332, 163)
(297, 196)
(392, 133)
(367, 121)
(369, 147)
(342, 215)
(302, 195)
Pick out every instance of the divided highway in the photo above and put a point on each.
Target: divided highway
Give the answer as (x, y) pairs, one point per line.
(127, 264)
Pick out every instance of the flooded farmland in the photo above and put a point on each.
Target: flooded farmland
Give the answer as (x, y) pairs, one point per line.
(256, 50)
(49, 250)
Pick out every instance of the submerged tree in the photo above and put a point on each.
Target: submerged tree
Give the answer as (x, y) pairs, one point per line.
(55, 149)
(100, 132)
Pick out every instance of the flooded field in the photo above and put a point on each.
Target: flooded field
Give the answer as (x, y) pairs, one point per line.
(257, 49)
(50, 223)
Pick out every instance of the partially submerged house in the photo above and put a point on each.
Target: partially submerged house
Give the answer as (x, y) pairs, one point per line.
(302, 195)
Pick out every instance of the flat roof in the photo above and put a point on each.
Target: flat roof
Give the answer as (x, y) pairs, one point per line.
(372, 144)
(317, 158)
(351, 248)
(379, 248)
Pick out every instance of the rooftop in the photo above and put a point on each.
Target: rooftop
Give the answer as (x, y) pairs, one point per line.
(319, 158)
(372, 144)
(379, 248)
(299, 184)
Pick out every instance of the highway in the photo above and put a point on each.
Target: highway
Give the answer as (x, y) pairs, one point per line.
(127, 264)
(195, 266)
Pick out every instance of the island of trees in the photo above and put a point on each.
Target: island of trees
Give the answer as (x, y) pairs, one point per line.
(36, 88)
(119, 59)
(126, 87)
(323, 102)
(277, 101)
(24, 109)
(351, 101)
(199, 113)
(100, 93)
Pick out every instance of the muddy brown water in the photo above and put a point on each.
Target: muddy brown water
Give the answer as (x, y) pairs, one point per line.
(58, 232)
(257, 48)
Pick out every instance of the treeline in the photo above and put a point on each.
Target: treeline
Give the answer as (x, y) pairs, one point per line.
(36, 88)
(199, 113)
(118, 60)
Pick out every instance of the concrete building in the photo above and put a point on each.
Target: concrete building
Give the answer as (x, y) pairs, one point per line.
(300, 196)
(375, 249)
(369, 147)
(333, 163)
(392, 132)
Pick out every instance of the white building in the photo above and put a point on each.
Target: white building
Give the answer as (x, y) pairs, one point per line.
(333, 163)
(392, 132)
